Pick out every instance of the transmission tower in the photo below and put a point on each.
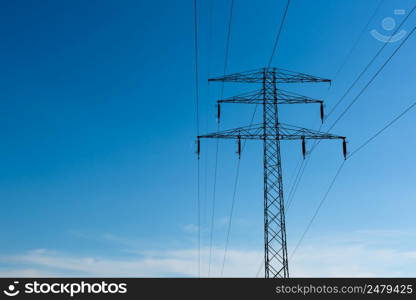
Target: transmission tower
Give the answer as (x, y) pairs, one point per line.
(271, 132)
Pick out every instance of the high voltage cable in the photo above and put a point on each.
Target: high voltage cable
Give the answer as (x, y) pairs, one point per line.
(208, 97)
(295, 183)
(319, 206)
(350, 52)
(370, 63)
(342, 165)
(244, 143)
(293, 177)
(353, 47)
(197, 131)
(196, 65)
(275, 47)
(366, 86)
(231, 217)
(360, 36)
(233, 201)
(381, 130)
(276, 42)
(260, 268)
(227, 47)
(213, 205)
(372, 78)
(356, 98)
(343, 113)
(365, 69)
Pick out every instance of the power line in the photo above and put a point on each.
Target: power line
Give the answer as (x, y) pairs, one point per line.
(296, 183)
(342, 165)
(352, 49)
(275, 47)
(233, 199)
(231, 216)
(204, 209)
(260, 268)
(213, 206)
(360, 36)
(276, 42)
(295, 172)
(227, 49)
(370, 63)
(227, 46)
(381, 130)
(359, 148)
(197, 130)
(245, 141)
(196, 65)
(236, 133)
(319, 207)
(293, 189)
(292, 178)
(354, 100)
(343, 113)
(210, 36)
(372, 78)
(316, 143)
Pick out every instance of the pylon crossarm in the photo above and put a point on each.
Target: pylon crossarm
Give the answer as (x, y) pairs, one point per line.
(256, 132)
(281, 75)
(251, 97)
(253, 132)
(290, 132)
(257, 97)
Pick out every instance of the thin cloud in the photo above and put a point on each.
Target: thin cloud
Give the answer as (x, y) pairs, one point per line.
(358, 254)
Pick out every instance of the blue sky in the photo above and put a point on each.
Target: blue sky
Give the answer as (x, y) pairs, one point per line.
(98, 117)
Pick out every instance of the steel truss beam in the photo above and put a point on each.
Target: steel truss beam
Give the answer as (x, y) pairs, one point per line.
(283, 97)
(281, 76)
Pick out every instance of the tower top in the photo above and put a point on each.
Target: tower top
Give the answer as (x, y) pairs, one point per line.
(259, 75)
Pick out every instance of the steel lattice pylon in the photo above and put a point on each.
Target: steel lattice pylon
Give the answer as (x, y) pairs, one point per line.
(271, 131)
(275, 247)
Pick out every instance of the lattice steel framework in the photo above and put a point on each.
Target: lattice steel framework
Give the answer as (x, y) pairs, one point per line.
(271, 131)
